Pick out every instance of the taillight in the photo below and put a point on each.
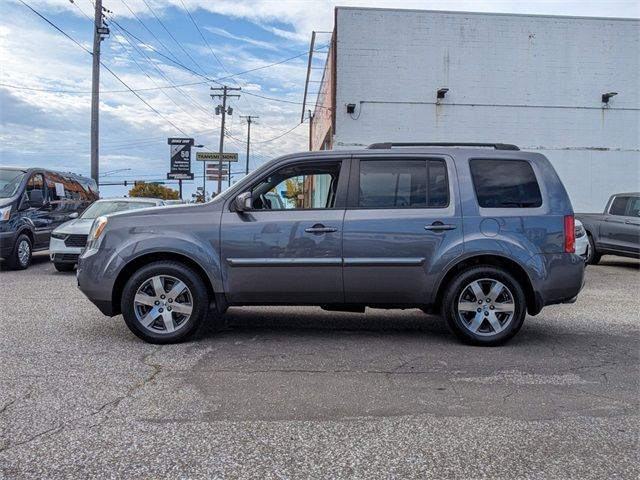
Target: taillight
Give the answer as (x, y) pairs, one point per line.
(569, 234)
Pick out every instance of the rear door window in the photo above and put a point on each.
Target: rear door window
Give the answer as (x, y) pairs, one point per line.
(505, 184)
(633, 208)
(619, 206)
(403, 184)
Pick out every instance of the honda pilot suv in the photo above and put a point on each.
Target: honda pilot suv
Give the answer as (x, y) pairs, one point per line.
(479, 233)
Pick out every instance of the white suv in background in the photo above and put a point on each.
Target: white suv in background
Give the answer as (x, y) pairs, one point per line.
(68, 240)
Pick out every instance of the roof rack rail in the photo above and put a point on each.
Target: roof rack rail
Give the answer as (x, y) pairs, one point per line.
(388, 145)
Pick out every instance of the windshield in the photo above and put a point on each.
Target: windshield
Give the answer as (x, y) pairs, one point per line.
(112, 206)
(9, 181)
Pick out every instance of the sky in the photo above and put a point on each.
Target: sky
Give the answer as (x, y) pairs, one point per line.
(169, 52)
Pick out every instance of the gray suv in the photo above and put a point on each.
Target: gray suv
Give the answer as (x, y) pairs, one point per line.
(480, 233)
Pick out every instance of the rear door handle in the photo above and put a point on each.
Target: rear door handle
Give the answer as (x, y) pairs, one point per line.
(439, 227)
(318, 228)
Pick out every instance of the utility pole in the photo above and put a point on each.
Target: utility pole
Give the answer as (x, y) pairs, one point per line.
(249, 120)
(95, 93)
(223, 110)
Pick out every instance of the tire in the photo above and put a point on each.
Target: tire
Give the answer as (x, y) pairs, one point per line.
(593, 257)
(21, 255)
(64, 267)
(488, 326)
(161, 322)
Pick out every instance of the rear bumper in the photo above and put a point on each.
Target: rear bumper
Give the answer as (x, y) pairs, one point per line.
(560, 279)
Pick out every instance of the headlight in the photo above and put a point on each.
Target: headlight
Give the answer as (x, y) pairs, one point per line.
(59, 236)
(95, 236)
(580, 231)
(5, 213)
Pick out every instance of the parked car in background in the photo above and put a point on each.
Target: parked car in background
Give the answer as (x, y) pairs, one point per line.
(68, 240)
(480, 235)
(33, 202)
(616, 231)
(582, 243)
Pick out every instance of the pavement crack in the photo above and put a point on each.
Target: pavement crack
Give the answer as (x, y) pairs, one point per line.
(104, 409)
(5, 407)
(505, 397)
(32, 438)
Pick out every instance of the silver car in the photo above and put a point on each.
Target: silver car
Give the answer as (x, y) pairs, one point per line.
(68, 240)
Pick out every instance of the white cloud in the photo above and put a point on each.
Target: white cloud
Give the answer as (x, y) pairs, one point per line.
(251, 41)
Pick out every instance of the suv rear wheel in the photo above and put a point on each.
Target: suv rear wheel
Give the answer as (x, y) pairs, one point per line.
(484, 305)
(165, 302)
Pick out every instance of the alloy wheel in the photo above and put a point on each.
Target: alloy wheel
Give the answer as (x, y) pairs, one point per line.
(24, 252)
(486, 307)
(163, 304)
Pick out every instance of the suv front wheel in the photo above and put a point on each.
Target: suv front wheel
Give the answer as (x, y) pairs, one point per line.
(484, 305)
(164, 302)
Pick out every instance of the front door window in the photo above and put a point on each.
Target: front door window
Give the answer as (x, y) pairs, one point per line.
(298, 187)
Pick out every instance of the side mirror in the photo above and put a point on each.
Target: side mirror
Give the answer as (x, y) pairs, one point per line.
(36, 200)
(243, 202)
(73, 215)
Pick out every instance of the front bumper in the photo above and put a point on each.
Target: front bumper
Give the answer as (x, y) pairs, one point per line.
(96, 276)
(60, 253)
(7, 241)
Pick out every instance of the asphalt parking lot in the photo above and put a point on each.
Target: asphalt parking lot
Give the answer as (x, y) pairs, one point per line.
(303, 393)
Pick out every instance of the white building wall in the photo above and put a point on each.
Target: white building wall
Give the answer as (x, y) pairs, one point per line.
(535, 81)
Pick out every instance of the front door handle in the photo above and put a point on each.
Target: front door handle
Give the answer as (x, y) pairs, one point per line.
(318, 228)
(439, 227)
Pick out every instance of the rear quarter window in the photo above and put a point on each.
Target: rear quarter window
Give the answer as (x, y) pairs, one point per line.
(505, 183)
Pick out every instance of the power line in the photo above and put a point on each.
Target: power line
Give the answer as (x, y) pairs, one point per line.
(203, 37)
(148, 30)
(177, 85)
(172, 37)
(153, 80)
(281, 135)
(105, 66)
(192, 101)
(195, 24)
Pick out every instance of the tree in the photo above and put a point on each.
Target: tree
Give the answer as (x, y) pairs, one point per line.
(152, 190)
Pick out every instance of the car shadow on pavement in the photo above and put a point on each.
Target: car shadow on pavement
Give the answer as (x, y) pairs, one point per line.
(315, 321)
(629, 263)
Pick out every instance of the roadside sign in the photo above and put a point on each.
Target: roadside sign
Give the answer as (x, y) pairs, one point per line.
(179, 176)
(215, 156)
(180, 166)
(214, 168)
(215, 178)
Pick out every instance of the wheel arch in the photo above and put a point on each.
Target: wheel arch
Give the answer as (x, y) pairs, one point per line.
(25, 230)
(145, 259)
(534, 304)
